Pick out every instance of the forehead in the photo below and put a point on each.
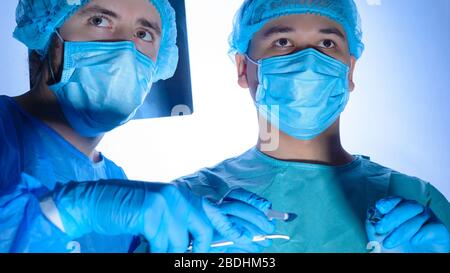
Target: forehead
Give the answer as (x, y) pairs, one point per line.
(302, 23)
(128, 9)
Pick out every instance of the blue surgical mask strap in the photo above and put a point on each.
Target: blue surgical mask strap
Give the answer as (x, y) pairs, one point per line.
(52, 73)
(51, 69)
(251, 60)
(59, 36)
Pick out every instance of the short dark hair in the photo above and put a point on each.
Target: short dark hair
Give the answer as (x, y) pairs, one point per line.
(36, 67)
(38, 64)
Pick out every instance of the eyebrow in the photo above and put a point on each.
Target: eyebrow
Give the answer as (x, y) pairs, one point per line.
(99, 9)
(153, 25)
(285, 29)
(277, 30)
(142, 21)
(334, 31)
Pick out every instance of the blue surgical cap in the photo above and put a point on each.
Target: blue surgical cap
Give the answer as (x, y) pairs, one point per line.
(37, 21)
(255, 14)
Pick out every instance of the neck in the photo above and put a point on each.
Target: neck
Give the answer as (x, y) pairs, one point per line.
(41, 103)
(325, 149)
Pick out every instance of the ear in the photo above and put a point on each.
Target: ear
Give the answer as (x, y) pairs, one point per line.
(351, 72)
(241, 65)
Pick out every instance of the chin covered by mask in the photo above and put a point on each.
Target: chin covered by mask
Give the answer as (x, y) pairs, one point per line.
(309, 88)
(102, 85)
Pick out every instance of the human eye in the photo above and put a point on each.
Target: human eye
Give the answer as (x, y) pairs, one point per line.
(327, 43)
(144, 35)
(100, 21)
(283, 43)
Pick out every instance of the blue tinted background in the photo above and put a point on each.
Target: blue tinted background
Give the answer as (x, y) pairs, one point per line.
(400, 111)
(399, 114)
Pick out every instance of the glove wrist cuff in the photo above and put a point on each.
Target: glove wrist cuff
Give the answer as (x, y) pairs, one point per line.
(51, 212)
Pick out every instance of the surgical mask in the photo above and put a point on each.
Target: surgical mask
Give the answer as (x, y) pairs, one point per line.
(102, 85)
(310, 89)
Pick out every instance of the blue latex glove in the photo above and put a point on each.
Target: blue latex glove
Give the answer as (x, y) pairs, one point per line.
(163, 213)
(256, 224)
(242, 246)
(406, 226)
(238, 217)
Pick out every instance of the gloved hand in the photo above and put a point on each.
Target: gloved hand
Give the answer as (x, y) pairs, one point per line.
(163, 213)
(242, 246)
(406, 226)
(253, 222)
(157, 211)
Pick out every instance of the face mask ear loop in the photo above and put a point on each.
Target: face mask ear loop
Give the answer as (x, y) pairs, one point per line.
(52, 73)
(257, 63)
(59, 36)
(51, 69)
(251, 60)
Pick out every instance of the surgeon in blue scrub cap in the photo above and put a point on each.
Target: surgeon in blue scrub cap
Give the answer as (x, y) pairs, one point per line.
(92, 65)
(298, 58)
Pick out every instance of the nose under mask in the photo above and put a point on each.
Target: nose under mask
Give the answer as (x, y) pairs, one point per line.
(309, 88)
(102, 84)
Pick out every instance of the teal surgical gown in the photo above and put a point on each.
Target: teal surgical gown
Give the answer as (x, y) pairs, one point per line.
(33, 158)
(331, 202)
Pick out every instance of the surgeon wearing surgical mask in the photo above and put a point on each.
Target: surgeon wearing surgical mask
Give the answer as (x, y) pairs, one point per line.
(93, 64)
(298, 60)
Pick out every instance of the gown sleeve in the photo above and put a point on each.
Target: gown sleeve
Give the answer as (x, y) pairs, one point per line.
(21, 220)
